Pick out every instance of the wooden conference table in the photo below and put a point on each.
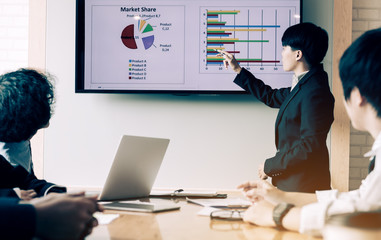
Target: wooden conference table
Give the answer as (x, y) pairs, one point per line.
(184, 224)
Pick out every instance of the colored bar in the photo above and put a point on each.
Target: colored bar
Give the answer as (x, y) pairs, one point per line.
(218, 34)
(214, 59)
(215, 22)
(215, 31)
(238, 60)
(253, 26)
(222, 12)
(215, 44)
(219, 48)
(238, 30)
(221, 43)
(213, 51)
(236, 41)
(248, 59)
(263, 61)
(221, 39)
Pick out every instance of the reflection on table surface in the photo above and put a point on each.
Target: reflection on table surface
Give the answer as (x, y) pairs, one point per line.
(185, 224)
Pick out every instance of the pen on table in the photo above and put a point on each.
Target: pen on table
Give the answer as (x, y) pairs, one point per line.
(177, 191)
(236, 206)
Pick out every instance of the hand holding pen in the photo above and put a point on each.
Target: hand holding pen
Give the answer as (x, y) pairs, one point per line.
(229, 60)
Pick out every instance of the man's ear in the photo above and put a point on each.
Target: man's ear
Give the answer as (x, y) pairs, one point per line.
(299, 55)
(357, 98)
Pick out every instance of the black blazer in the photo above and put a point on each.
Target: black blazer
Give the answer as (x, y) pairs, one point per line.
(11, 177)
(305, 115)
(17, 221)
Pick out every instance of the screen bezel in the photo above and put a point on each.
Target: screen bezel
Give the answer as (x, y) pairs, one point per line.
(80, 62)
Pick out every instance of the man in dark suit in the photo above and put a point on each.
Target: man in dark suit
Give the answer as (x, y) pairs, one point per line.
(26, 97)
(17, 177)
(301, 163)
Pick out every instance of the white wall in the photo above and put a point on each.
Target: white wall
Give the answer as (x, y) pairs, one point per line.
(13, 35)
(216, 141)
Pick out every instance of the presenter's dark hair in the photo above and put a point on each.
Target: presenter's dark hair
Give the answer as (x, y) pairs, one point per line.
(360, 67)
(26, 97)
(308, 38)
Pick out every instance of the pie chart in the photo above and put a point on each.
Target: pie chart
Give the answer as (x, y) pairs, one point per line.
(144, 33)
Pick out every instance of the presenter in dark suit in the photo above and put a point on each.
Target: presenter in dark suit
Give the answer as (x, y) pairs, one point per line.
(301, 163)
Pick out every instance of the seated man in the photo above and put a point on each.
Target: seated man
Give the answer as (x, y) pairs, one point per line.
(360, 73)
(26, 97)
(57, 216)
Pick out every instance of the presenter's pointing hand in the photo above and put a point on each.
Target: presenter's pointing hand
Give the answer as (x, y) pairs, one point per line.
(229, 60)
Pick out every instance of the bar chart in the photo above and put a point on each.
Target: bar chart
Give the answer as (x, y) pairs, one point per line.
(252, 34)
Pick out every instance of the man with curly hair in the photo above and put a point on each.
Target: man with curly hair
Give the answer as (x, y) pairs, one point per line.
(26, 98)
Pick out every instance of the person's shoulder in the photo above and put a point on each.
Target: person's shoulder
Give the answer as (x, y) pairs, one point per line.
(317, 81)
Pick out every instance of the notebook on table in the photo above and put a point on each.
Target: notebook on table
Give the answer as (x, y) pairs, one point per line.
(133, 172)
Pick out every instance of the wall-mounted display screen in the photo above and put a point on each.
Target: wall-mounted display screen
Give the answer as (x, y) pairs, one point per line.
(171, 45)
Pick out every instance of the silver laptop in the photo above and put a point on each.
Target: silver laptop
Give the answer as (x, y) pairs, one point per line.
(135, 167)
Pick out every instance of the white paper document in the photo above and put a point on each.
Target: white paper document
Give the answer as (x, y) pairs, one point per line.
(186, 193)
(222, 203)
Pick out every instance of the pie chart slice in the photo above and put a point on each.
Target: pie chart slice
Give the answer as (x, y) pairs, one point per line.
(148, 41)
(128, 37)
(148, 29)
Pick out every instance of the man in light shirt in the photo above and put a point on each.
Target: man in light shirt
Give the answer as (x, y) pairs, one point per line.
(360, 73)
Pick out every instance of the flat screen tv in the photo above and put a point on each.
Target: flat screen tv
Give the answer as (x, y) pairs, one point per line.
(169, 46)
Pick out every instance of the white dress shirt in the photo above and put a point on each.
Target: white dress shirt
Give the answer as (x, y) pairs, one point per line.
(296, 79)
(330, 202)
(17, 153)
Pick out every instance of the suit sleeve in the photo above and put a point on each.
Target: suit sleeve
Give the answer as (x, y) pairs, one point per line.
(17, 221)
(264, 93)
(11, 177)
(41, 187)
(316, 119)
(8, 192)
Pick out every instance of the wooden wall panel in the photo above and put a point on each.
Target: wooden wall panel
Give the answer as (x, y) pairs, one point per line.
(340, 132)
